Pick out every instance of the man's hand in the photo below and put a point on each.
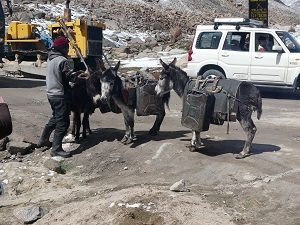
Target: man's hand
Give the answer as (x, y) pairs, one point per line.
(84, 76)
(80, 75)
(1, 99)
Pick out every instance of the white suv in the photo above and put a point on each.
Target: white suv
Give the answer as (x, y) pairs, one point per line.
(230, 49)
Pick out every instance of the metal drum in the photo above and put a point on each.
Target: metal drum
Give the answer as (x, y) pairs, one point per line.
(147, 102)
(197, 111)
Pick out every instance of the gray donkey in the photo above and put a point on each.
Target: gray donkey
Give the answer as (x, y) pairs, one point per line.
(114, 90)
(249, 100)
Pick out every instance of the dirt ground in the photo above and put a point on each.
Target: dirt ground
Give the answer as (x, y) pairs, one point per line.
(109, 183)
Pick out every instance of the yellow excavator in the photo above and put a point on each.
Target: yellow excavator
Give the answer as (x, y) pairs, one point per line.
(25, 49)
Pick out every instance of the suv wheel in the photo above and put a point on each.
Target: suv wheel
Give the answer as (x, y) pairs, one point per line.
(211, 74)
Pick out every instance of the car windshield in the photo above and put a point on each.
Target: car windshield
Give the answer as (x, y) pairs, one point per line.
(289, 40)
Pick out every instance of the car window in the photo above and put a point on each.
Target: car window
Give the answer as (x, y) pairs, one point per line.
(237, 41)
(289, 41)
(208, 40)
(264, 42)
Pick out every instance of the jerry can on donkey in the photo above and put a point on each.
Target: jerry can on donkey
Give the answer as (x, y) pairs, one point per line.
(197, 110)
(147, 102)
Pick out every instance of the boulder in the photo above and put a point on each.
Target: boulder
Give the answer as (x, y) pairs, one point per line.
(54, 165)
(29, 214)
(17, 147)
(179, 187)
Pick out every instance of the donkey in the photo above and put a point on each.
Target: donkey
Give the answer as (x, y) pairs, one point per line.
(85, 99)
(113, 87)
(172, 77)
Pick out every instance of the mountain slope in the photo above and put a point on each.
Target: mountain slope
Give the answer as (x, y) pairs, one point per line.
(162, 15)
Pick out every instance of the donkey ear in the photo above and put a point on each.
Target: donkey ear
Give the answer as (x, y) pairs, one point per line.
(174, 61)
(117, 66)
(101, 65)
(165, 66)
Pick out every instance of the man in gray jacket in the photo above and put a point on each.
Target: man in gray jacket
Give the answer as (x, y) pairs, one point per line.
(59, 73)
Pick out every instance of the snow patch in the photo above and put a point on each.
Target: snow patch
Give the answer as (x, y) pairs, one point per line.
(148, 62)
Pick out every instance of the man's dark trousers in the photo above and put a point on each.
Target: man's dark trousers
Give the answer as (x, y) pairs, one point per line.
(60, 120)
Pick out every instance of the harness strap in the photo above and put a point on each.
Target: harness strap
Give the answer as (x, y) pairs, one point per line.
(228, 112)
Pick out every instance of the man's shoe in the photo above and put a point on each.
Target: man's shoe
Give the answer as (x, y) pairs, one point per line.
(61, 153)
(44, 144)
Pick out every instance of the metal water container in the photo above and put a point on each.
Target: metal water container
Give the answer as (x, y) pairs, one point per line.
(147, 102)
(197, 110)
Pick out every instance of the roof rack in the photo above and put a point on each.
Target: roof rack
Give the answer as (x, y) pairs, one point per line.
(237, 22)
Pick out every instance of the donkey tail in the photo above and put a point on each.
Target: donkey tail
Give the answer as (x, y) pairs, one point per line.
(259, 106)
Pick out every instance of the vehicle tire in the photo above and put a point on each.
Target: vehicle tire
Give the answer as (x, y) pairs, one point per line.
(213, 73)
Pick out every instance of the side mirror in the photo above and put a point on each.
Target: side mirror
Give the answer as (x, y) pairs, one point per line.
(277, 48)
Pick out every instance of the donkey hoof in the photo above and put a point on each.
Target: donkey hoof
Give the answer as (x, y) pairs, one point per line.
(129, 141)
(192, 148)
(124, 139)
(242, 155)
(153, 132)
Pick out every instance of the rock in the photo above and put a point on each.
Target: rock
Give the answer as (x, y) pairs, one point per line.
(15, 147)
(112, 25)
(114, 37)
(108, 43)
(29, 214)
(25, 17)
(177, 51)
(179, 187)
(182, 61)
(123, 49)
(54, 166)
(3, 143)
(122, 55)
(136, 40)
(250, 177)
(176, 33)
(157, 48)
(58, 158)
(68, 138)
(14, 137)
(4, 155)
(157, 26)
(40, 15)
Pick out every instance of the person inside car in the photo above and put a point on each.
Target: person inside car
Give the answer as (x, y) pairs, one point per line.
(262, 44)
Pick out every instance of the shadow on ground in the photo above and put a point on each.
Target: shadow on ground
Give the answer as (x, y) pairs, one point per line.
(97, 136)
(143, 136)
(220, 147)
(112, 134)
(279, 94)
(9, 82)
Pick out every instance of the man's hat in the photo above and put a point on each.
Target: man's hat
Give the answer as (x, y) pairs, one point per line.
(60, 42)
